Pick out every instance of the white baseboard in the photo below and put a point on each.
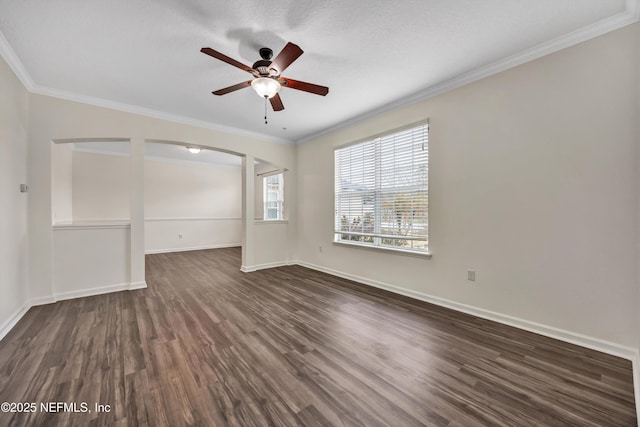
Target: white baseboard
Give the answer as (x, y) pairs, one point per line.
(192, 248)
(597, 344)
(6, 327)
(636, 384)
(13, 319)
(41, 301)
(251, 268)
(100, 290)
(137, 285)
(92, 291)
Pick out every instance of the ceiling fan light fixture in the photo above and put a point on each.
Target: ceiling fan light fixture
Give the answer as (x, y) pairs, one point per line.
(266, 87)
(193, 150)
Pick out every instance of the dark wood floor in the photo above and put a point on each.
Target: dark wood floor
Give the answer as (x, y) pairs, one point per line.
(208, 345)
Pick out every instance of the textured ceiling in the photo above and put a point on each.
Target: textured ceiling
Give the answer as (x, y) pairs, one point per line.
(146, 53)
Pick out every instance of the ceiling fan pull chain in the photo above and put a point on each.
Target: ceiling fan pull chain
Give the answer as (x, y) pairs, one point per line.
(265, 110)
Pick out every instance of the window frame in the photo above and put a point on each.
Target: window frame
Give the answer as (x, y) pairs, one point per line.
(279, 198)
(376, 244)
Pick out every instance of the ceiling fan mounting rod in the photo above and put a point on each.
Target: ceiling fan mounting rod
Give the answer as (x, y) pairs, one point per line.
(266, 53)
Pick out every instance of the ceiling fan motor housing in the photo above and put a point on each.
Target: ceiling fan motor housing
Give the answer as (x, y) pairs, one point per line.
(263, 65)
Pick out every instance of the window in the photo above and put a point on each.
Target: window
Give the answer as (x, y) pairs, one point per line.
(273, 196)
(381, 191)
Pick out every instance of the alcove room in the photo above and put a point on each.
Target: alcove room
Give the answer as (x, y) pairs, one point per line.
(319, 213)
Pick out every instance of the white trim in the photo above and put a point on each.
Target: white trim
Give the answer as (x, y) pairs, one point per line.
(204, 218)
(75, 147)
(15, 64)
(91, 291)
(137, 285)
(385, 249)
(252, 268)
(9, 324)
(271, 173)
(78, 147)
(629, 16)
(9, 55)
(597, 344)
(197, 160)
(13, 319)
(34, 302)
(192, 248)
(90, 226)
(270, 221)
(154, 114)
(636, 383)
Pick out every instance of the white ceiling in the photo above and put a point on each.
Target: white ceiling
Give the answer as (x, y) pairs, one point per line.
(145, 55)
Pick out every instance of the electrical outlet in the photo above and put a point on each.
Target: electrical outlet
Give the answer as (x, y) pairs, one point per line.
(471, 275)
(179, 236)
(320, 248)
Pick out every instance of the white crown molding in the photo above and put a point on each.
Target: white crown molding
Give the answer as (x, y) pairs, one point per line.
(15, 64)
(629, 16)
(155, 114)
(9, 55)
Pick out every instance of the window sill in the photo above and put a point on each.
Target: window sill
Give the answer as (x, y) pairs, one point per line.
(403, 252)
(271, 221)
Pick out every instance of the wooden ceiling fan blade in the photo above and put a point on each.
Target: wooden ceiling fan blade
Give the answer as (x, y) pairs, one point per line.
(290, 53)
(224, 58)
(304, 86)
(232, 88)
(276, 103)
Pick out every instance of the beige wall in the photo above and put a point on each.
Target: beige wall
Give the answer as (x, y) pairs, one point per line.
(533, 184)
(56, 119)
(101, 186)
(61, 183)
(191, 205)
(90, 260)
(188, 205)
(182, 189)
(13, 204)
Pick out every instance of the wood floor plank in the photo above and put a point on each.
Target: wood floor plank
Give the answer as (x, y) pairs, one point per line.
(208, 345)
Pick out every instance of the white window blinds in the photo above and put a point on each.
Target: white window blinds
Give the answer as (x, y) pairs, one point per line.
(381, 191)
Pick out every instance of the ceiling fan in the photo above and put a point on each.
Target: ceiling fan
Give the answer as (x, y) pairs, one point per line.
(268, 79)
